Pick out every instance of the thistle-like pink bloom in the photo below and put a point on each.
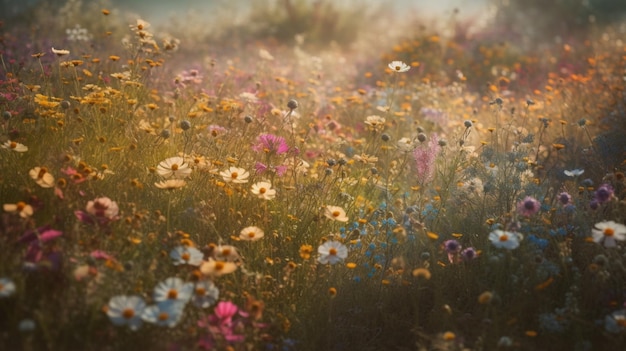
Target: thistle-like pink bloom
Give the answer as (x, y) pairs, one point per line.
(425, 159)
(270, 143)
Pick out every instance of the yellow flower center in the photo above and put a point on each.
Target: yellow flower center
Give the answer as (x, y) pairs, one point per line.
(609, 232)
(226, 252)
(20, 205)
(174, 167)
(332, 251)
(398, 68)
(200, 291)
(42, 172)
(163, 316)
(234, 175)
(504, 237)
(219, 265)
(128, 313)
(336, 213)
(172, 294)
(262, 191)
(13, 145)
(185, 256)
(251, 234)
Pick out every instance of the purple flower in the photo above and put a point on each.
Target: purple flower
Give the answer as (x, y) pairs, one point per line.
(468, 254)
(604, 193)
(528, 207)
(451, 246)
(565, 198)
(270, 143)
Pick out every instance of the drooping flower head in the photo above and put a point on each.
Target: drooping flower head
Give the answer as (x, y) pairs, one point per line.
(270, 144)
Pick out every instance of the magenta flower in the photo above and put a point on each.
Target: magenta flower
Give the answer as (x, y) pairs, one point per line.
(528, 207)
(271, 144)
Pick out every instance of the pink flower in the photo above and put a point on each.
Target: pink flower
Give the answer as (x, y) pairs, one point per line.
(528, 207)
(425, 159)
(102, 210)
(270, 143)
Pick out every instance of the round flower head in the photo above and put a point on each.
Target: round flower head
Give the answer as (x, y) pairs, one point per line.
(17, 147)
(103, 207)
(528, 207)
(335, 213)
(174, 167)
(126, 310)
(186, 255)
(173, 289)
(23, 209)
(216, 268)
(205, 294)
(263, 190)
(235, 175)
(604, 193)
(399, 66)
(42, 177)
(332, 252)
(251, 233)
(165, 313)
(608, 232)
(565, 198)
(505, 240)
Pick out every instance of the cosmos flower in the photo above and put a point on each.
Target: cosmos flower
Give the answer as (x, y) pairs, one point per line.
(226, 253)
(103, 207)
(399, 66)
(174, 167)
(528, 207)
(15, 146)
(217, 268)
(263, 190)
(504, 239)
(332, 252)
(165, 313)
(126, 310)
(23, 209)
(186, 255)
(235, 175)
(205, 294)
(335, 213)
(42, 177)
(251, 233)
(173, 289)
(607, 232)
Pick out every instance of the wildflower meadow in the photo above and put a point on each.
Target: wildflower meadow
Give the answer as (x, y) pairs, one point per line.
(313, 175)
